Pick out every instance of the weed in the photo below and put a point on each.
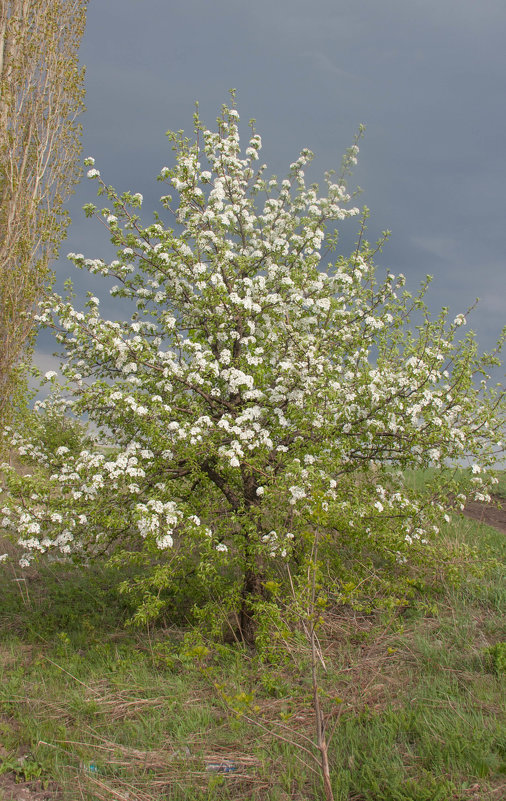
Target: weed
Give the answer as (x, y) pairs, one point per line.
(25, 768)
(497, 657)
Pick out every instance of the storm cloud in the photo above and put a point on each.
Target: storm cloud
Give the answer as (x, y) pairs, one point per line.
(426, 77)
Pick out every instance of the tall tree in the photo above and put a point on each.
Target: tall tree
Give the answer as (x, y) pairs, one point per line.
(42, 93)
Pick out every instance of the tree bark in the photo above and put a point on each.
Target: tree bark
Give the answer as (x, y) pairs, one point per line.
(251, 592)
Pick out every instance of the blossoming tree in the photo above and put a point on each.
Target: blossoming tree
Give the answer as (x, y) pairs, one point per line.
(257, 387)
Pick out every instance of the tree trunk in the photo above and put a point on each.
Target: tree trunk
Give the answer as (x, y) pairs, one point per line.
(251, 592)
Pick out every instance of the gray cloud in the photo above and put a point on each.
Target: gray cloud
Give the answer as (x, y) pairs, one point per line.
(428, 78)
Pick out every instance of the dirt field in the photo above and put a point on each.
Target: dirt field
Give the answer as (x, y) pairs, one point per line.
(493, 514)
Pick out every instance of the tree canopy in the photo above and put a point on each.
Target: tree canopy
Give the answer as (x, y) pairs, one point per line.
(262, 387)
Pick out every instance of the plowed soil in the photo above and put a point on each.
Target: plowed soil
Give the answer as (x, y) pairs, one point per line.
(493, 514)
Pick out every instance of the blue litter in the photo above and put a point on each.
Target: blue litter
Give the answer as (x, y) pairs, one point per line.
(221, 767)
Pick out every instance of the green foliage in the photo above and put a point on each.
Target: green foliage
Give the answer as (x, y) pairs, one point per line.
(54, 428)
(25, 768)
(180, 590)
(64, 600)
(496, 657)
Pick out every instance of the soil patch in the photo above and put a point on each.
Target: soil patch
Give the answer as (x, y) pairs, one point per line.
(493, 513)
(11, 790)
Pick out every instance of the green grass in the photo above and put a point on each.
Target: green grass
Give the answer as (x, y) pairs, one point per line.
(415, 700)
(501, 487)
(419, 478)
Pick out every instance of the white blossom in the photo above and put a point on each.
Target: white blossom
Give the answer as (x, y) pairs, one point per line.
(248, 379)
(165, 542)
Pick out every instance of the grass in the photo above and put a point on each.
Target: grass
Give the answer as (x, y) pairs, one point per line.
(415, 700)
(501, 486)
(418, 478)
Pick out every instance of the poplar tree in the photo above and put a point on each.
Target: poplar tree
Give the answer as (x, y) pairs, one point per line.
(41, 97)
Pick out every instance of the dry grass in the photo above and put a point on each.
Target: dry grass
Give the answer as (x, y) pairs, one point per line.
(410, 706)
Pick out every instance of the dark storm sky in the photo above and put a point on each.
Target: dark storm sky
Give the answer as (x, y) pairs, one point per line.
(426, 77)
